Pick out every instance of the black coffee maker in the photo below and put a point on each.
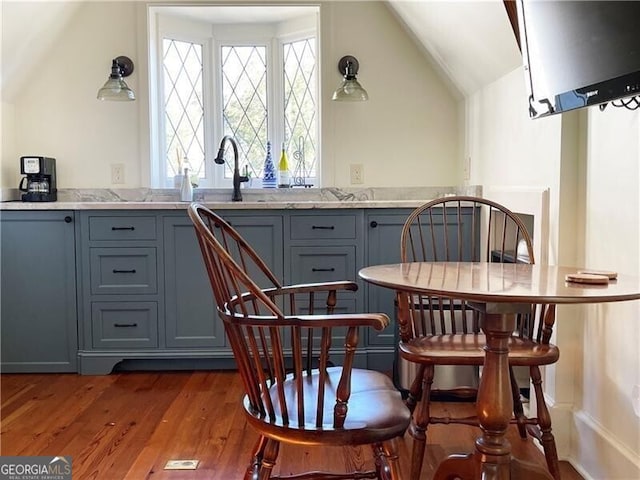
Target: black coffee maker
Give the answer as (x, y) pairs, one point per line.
(40, 179)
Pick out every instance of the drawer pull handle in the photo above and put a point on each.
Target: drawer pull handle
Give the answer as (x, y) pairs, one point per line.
(124, 271)
(373, 224)
(323, 269)
(320, 227)
(68, 219)
(123, 228)
(125, 325)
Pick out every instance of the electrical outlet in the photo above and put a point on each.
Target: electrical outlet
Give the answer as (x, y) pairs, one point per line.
(357, 173)
(117, 173)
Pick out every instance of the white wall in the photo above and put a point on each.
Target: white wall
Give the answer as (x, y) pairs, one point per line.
(56, 112)
(608, 428)
(590, 161)
(404, 135)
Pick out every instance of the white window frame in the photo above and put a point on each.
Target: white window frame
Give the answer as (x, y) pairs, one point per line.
(291, 38)
(231, 35)
(212, 38)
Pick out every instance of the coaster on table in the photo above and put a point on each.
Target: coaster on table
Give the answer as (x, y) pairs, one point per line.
(611, 275)
(587, 278)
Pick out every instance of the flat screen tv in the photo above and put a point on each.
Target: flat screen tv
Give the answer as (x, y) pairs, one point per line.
(579, 53)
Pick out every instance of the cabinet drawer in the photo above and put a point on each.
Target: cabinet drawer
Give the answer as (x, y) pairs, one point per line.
(316, 227)
(122, 228)
(123, 270)
(124, 324)
(323, 264)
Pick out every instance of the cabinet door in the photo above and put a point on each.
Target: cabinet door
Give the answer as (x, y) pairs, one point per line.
(265, 235)
(190, 317)
(38, 292)
(383, 246)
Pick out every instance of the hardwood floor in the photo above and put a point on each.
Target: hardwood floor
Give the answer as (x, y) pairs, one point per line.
(128, 425)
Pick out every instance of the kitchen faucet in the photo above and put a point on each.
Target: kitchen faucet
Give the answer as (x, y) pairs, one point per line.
(237, 178)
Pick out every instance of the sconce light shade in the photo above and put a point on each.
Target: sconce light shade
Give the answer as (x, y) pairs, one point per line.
(116, 89)
(350, 90)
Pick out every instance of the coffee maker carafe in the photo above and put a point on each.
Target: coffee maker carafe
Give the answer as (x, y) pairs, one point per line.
(40, 179)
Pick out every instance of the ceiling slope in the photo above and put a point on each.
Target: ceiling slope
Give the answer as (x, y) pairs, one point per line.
(472, 42)
(29, 29)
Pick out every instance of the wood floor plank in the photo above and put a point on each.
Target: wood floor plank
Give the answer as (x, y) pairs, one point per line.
(128, 425)
(135, 413)
(47, 408)
(191, 427)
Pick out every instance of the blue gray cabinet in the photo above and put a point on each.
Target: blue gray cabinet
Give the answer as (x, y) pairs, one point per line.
(120, 287)
(38, 291)
(325, 246)
(146, 298)
(143, 296)
(191, 319)
(383, 246)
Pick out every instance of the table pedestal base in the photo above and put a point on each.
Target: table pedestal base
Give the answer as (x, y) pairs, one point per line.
(471, 467)
(492, 459)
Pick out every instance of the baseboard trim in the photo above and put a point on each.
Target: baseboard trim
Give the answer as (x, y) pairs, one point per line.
(598, 455)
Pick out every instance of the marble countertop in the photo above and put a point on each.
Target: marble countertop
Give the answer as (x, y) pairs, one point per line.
(168, 199)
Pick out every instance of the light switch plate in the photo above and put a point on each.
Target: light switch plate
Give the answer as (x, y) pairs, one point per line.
(181, 465)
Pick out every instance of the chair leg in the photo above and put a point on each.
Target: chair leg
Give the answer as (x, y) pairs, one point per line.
(420, 423)
(415, 390)
(544, 421)
(387, 463)
(271, 449)
(518, 410)
(256, 460)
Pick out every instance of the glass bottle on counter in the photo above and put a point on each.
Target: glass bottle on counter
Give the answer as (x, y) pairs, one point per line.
(283, 170)
(269, 170)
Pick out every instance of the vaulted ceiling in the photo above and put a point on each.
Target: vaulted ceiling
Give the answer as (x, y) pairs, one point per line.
(470, 42)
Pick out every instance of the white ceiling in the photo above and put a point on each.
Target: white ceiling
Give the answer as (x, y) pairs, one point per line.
(217, 14)
(471, 41)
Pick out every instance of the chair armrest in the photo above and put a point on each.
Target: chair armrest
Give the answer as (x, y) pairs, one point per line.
(376, 320)
(313, 287)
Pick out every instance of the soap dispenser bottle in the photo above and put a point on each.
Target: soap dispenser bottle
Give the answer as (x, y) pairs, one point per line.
(186, 190)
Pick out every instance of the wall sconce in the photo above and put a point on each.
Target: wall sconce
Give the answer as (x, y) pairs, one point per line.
(350, 90)
(116, 88)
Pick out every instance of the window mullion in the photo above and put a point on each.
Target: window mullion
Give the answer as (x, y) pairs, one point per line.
(213, 105)
(277, 100)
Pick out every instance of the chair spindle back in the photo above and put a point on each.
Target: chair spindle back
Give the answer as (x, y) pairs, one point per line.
(283, 359)
(470, 229)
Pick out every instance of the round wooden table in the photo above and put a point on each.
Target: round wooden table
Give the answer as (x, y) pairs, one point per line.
(501, 290)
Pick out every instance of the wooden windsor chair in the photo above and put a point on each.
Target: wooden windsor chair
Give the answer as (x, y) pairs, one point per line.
(282, 338)
(437, 331)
